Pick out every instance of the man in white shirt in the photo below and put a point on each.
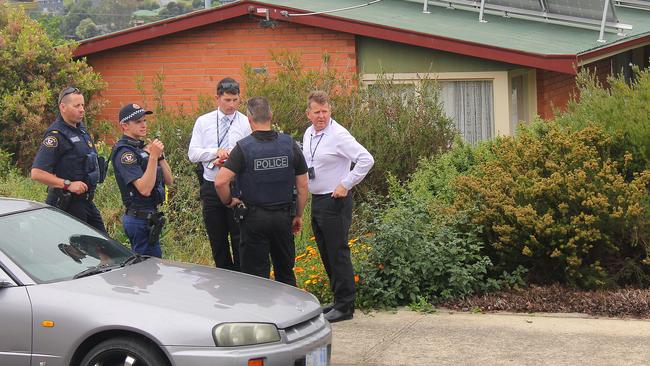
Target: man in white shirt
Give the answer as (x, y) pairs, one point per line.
(330, 150)
(213, 136)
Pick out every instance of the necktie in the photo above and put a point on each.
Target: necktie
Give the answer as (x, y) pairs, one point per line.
(222, 130)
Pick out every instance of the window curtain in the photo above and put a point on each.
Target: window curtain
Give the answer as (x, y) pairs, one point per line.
(471, 106)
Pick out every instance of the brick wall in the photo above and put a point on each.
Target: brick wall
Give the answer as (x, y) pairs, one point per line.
(554, 89)
(193, 61)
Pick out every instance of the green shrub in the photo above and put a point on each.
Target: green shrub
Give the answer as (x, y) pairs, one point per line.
(33, 72)
(619, 109)
(289, 86)
(418, 247)
(558, 202)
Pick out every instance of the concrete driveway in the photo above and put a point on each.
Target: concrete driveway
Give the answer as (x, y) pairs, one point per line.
(447, 338)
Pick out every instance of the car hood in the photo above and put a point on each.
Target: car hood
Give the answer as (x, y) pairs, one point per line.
(165, 297)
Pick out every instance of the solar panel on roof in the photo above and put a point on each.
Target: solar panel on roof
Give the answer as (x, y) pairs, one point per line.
(535, 5)
(591, 13)
(639, 4)
(588, 9)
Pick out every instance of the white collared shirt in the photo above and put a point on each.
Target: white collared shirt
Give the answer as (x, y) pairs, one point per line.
(206, 136)
(331, 152)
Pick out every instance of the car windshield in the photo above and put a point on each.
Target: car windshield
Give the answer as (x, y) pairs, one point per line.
(51, 246)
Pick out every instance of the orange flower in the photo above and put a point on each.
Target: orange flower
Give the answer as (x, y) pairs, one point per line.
(301, 257)
(299, 269)
(356, 278)
(313, 238)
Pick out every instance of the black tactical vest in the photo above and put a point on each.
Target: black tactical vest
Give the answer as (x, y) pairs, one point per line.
(79, 163)
(268, 176)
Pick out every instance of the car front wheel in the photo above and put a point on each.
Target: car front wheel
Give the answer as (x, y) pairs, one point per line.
(124, 351)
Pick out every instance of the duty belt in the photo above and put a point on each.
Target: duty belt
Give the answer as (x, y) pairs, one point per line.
(87, 196)
(281, 207)
(141, 214)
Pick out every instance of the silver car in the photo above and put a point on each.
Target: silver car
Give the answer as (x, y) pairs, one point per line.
(72, 296)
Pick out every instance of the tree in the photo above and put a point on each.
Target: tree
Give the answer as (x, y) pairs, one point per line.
(52, 25)
(75, 13)
(173, 9)
(86, 29)
(33, 72)
(115, 14)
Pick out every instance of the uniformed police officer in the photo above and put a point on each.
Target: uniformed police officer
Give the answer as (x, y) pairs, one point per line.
(141, 172)
(268, 165)
(68, 163)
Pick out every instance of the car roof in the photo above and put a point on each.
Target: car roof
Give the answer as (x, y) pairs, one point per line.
(13, 205)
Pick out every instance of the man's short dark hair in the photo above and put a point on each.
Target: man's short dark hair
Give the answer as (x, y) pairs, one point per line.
(318, 96)
(259, 110)
(228, 85)
(67, 91)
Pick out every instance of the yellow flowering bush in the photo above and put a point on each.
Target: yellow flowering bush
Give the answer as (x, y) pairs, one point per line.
(564, 204)
(310, 273)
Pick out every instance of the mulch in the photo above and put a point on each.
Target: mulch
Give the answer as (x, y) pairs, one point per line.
(622, 303)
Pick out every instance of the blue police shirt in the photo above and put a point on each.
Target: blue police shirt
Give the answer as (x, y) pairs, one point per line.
(130, 162)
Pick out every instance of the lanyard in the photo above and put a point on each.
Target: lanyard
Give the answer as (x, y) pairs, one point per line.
(221, 138)
(311, 140)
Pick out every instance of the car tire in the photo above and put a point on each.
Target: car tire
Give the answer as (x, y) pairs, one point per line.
(124, 351)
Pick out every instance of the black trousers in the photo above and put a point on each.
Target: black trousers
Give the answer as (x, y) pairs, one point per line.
(267, 232)
(330, 221)
(219, 223)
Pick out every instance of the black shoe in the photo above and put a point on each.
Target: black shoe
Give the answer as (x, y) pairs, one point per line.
(336, 315)
(326, 308)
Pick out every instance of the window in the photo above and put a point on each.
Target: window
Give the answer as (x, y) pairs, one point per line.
(477, 102)
(470, 104)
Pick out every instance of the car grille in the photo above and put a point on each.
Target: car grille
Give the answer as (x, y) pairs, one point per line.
(304, 329)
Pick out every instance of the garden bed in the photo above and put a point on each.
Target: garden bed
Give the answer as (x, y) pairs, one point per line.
(633, 303)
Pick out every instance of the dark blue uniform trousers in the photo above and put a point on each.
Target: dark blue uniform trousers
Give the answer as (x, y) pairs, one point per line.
(137, 230)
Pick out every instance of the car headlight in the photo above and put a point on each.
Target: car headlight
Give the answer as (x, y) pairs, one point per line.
(244, 334)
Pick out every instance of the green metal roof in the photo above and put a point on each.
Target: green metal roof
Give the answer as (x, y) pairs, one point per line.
(522, 35)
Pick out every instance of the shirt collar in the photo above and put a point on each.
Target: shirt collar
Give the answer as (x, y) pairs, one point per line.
(220, 115)
(63, 123)
(133, 142)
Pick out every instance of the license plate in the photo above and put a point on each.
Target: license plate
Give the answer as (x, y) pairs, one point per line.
(317, 357)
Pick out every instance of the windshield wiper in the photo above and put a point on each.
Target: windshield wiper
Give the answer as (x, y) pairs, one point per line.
(93, 270)
(135, 258)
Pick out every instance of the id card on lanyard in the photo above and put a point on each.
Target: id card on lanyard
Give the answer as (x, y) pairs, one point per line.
(311, 172)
